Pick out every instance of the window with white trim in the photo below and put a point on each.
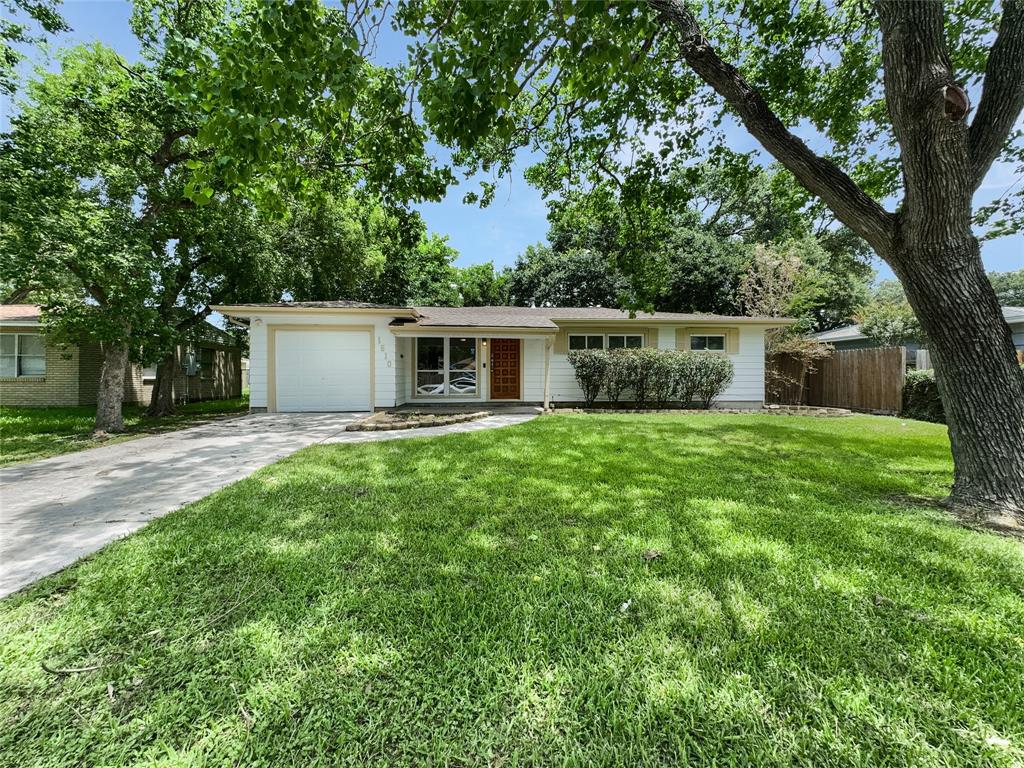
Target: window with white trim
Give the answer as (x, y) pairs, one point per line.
(446, 366)
(149, 373)
(586, 341)
(625, 341)
(710, 342)
(22, 354)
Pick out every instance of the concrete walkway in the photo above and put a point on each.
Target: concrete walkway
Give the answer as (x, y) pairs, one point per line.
(54, 511)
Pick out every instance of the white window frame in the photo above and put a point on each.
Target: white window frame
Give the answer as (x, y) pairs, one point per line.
(605, 337)
(17, 357)
(608, 340)
(586, 341)
(708, 336)
(149, 373)
(446, 368)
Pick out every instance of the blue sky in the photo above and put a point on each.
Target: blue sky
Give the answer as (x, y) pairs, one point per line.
(517, 217)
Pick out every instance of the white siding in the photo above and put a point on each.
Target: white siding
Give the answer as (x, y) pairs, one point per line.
(748, 380)
(385, 356)
(403, 369)
(533, 370)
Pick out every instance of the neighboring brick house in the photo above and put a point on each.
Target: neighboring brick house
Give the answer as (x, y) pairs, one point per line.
(34, 373)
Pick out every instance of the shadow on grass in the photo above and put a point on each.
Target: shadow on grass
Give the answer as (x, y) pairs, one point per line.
(27, 434)
(483, 598)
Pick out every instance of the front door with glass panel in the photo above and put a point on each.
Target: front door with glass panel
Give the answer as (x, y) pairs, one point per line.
(505, 369)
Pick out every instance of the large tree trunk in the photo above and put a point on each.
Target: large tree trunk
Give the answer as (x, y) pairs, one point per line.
(928, 241)
(979, 380)
(162, 401)
(110, 396)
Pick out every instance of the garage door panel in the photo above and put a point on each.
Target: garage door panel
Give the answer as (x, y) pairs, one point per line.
(326, 370)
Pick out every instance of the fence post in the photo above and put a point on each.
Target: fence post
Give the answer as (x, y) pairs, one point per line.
(903, 379)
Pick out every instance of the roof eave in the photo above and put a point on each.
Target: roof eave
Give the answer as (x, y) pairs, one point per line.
(472, 330)
(245, 310)
(765, 321)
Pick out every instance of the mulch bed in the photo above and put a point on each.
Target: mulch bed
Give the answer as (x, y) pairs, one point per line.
(388, 420)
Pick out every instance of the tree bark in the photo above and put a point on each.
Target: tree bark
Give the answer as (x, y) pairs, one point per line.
(929, 243)
(110, 397)
(162, 401)
(979, 380)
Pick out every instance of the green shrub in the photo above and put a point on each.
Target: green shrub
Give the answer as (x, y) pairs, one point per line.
(653, 376)
(645, 366)
(684, 380)
(921, 397)
(662, 386)
(712, 374)
(619, 376)
(591, 368)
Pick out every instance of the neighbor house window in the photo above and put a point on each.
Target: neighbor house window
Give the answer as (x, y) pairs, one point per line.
(586, 341)
(148, 373)
(446, 366)
(206, 363)
(22, 354)
(625, 341)
(708, 343)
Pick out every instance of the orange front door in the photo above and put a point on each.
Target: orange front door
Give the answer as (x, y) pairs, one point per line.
(505, 369)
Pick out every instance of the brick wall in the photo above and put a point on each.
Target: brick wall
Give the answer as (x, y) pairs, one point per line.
(58, 387)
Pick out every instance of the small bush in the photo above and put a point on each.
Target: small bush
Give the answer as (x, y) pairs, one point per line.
(619, 376)
(591, 368)
(921, 397)
(662, 385)
(684, 380)
(712, 374)
(645, 366)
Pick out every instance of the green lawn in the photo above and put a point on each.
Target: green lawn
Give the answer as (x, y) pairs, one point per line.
(37, 433)
(483, 599)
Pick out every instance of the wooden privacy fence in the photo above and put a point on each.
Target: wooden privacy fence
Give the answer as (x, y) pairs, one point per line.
(859, 379)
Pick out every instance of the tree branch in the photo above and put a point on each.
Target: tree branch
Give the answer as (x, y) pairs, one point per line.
(1002, 95)
(821, 177)
(163, 156)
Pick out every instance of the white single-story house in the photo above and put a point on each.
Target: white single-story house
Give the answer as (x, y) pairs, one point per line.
(353, 356)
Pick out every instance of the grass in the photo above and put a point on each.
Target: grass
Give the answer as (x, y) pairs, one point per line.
(27, 434)
(483, 599)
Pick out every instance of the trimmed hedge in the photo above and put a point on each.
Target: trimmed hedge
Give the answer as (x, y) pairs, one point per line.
(653, 376)
(921, 397)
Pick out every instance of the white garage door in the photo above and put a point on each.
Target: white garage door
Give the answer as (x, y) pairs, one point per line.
(322, 370)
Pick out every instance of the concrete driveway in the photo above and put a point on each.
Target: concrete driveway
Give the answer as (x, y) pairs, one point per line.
(54, 511)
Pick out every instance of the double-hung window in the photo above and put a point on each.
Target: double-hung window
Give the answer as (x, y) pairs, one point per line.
(446, 366)
(711, 342)
(22, 354)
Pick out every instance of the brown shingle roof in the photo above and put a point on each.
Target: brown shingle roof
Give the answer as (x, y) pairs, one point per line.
(545, 317)
(323, 305)
(19, 312)
(541, 318)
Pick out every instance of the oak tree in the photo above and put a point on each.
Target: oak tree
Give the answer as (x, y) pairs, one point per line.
(883, 91)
